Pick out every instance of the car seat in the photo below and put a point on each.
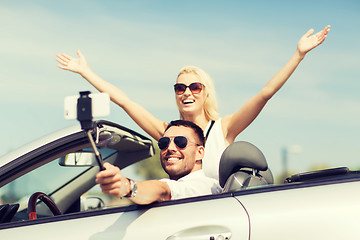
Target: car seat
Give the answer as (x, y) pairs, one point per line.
(243, 165)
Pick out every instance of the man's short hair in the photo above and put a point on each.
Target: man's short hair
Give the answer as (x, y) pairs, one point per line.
(198, 131)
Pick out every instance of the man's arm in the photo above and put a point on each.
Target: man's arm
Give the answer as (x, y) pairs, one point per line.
(114, 183)
(151, 191)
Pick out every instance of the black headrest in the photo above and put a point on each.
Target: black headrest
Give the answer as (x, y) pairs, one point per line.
(240, 155)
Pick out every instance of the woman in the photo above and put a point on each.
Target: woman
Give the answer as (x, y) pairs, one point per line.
(195, 98)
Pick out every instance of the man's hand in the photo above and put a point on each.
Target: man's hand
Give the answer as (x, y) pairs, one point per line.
(112, 181)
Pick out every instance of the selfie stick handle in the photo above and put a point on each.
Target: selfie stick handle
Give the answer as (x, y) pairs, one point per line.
(97, 153)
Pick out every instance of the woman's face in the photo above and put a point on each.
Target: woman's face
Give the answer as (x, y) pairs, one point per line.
(188, 102)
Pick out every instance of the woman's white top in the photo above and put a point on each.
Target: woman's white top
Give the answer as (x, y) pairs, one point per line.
(214, 147)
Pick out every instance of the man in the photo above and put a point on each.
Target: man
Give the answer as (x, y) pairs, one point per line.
(181, 153)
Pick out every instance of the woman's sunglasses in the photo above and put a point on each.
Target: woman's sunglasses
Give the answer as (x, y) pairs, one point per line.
(180, 141)
(195, 87)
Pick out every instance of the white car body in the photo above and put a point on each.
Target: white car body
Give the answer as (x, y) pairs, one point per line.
(323, 208)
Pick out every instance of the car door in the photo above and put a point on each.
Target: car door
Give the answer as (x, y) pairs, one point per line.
(318, 210)
(220, 216)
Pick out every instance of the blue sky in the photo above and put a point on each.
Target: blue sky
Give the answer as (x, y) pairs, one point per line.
(140, 45)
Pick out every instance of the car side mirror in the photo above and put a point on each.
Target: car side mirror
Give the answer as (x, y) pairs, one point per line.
(91, 203)
(79, 159)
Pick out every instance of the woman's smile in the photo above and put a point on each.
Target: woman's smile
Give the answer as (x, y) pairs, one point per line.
(188, 101)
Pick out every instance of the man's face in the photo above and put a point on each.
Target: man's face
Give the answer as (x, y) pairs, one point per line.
(179, 162)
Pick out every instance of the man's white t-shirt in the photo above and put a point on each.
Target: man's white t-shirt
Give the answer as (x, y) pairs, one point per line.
(192, 185)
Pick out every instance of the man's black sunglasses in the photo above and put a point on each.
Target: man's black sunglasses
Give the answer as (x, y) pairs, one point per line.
(180, 141)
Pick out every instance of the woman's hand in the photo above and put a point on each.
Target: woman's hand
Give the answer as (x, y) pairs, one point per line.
(77, 65)
(309, 41)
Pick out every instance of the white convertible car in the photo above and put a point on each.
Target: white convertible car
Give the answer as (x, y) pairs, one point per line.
(44, 194)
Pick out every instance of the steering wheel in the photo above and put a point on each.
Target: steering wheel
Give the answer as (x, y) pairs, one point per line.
(46, 199)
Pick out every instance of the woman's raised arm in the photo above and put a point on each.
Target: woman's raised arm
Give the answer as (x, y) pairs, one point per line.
(237, 122)
(153, 126)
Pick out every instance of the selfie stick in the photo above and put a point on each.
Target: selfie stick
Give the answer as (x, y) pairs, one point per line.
(84, 115)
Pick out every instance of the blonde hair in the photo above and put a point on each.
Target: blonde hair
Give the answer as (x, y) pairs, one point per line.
(210, 104)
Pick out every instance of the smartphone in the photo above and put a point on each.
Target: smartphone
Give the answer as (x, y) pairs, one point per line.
(100, 105)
